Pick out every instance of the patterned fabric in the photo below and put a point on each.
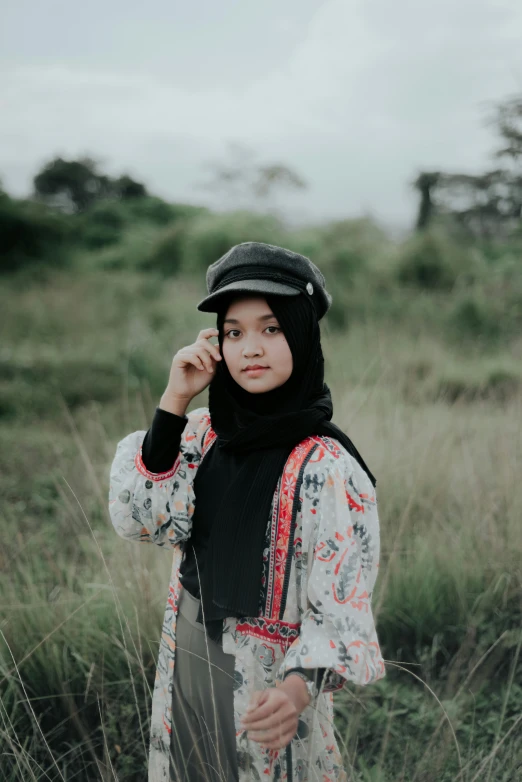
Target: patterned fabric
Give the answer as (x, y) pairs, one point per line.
(320, 565)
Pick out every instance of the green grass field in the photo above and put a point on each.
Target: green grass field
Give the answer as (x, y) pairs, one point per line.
(427, 382)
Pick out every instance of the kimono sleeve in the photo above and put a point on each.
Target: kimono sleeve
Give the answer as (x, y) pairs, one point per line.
(156, 507)
(337, 629)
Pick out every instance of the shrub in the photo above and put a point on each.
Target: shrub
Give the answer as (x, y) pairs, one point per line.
(476, 317)
(130, 253)
(103, 224)
(160, 212)
(166, 254)
(431, 261)
(111, 214)
(31, 233)
(307, 241)
(338, 315)
(209, 237)
(348, 246)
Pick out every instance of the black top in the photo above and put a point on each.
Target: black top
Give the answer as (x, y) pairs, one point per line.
(160, 450)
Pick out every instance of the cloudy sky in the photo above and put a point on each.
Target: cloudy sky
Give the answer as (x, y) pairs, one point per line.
(356, 95)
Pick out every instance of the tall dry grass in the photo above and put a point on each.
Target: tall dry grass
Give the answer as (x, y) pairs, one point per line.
(81, 609)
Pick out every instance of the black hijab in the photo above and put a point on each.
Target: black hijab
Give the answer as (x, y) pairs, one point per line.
(263, 428)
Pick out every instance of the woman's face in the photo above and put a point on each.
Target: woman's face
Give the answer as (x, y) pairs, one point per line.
(253, 337)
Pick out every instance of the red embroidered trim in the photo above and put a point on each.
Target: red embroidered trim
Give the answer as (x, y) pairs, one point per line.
(282, 633)
(209, 438)
(282, 516)
(155, 476)
(285, 503)
(330, 445)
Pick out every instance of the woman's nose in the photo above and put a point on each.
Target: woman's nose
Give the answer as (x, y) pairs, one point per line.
(252, 350)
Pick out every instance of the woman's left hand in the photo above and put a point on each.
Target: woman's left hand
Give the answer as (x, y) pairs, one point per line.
(272, 718)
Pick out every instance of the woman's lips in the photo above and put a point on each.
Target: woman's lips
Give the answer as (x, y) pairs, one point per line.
(255, 372)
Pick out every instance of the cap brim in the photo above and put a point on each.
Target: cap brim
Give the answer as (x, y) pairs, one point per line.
(211, 303)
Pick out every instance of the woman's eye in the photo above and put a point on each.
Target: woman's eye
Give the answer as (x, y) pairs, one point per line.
(236, 331)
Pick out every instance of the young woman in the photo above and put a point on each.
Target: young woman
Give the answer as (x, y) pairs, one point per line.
(272, 517)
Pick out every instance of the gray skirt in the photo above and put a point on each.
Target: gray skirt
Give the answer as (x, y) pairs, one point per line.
(203, 744)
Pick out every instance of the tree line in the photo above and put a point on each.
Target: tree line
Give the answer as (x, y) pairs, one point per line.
(486, 205)
(75, 202)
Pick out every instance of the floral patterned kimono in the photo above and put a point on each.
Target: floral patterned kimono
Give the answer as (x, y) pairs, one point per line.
(320, 564)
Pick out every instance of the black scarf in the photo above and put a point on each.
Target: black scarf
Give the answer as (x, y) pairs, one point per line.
(263, 428)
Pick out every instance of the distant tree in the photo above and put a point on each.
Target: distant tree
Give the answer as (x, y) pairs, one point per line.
(72, 184)
(424, 184)
(243, 181)
(487, 205)
(508, 121)
(75, 185)
(276, 176)
(125, 187)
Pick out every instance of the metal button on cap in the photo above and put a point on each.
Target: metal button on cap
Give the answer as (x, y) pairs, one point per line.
(309, 288)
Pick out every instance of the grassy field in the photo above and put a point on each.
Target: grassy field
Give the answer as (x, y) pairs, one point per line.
(433, 401)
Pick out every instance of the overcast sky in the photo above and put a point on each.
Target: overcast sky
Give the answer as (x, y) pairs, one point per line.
(356, 95)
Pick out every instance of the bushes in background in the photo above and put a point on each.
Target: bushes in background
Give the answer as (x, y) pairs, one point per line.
(166, 253)
(104, 223)
(209, 237)
(432, 261)
(432, 281)
(32, 234)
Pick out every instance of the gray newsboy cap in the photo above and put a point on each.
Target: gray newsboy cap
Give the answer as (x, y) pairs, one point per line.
(254, 267)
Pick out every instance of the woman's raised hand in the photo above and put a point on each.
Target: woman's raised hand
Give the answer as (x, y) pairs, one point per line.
(192, 369)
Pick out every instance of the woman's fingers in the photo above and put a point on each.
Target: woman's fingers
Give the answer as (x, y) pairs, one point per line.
(281, 742)
(207, 333)
(276, 736)
(201, 353)
(281, 717)
(211, 349)
(203, 339)
(189, 356)
(203, 358)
